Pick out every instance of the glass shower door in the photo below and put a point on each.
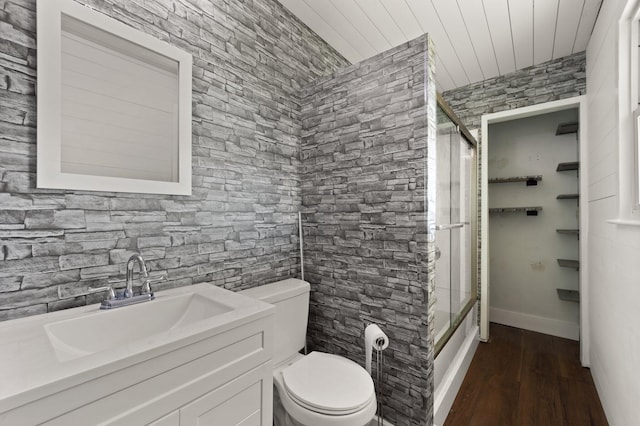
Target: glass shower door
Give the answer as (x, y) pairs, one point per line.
(455, 218)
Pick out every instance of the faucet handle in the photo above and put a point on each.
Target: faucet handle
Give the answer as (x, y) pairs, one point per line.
(146, 285)
(110, 293)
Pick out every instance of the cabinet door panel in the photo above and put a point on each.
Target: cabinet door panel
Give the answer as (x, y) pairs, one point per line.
(185, 378)
(239, 402)
(172, 419)
(252, 420)
(233, 411)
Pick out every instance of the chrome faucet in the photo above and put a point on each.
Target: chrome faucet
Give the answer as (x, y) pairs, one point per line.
(125, 297)
(128, 292)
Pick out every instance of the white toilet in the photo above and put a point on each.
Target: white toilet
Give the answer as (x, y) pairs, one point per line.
(317, 389)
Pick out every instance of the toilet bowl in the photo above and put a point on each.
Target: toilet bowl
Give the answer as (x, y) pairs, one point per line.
(320, 389)
(317, 389)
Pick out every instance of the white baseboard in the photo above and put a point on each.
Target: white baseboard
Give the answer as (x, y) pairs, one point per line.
(554, 327)
(446, 392)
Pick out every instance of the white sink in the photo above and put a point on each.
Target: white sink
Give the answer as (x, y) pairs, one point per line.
(102, 330)
(107, 361)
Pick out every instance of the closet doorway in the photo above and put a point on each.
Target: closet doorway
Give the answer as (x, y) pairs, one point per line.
(533, 255)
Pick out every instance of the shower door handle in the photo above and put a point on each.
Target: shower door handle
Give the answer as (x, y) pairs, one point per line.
(449, 226)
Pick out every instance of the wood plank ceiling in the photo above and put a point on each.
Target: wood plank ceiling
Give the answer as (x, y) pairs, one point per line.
(475, 39)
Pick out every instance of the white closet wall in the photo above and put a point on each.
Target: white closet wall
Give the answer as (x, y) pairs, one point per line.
(524, 271)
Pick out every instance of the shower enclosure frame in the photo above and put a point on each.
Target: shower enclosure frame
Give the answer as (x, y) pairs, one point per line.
(473, 205)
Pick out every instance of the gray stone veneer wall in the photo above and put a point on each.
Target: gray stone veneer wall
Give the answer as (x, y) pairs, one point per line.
(238, 229)
(364, 153)
(549, 81)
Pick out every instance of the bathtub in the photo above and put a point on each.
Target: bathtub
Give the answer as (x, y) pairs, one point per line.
(452, 362)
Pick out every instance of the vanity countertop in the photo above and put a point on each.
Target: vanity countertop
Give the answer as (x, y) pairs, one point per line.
(32, 364)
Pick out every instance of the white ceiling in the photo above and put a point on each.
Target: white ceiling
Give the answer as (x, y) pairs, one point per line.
(474, 39)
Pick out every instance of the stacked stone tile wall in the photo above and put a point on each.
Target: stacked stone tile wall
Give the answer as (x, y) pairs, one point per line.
(364, 140)
(549, 81)
(238, 229)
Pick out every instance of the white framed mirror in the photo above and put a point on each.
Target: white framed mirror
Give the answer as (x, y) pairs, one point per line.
(114, 105)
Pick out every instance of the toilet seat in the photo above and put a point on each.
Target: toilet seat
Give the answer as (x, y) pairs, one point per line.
(328, 384)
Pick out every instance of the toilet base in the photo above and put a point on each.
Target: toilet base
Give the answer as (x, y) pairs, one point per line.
(280, 415)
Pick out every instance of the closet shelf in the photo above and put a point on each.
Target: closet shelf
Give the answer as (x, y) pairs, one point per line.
(530, 211)
(568, 263)
(562, 167)
(529, 180)
(568, 231)
(568, 196)
(569, 295)
(567, 128)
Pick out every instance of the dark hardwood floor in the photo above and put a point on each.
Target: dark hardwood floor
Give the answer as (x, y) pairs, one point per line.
(522, 378)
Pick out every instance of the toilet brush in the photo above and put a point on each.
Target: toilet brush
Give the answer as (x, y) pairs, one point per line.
(301, 241)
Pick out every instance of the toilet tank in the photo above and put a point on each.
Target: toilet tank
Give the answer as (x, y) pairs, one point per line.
(291, 299)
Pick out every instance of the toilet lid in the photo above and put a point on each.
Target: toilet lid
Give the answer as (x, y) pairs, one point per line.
(329, 384)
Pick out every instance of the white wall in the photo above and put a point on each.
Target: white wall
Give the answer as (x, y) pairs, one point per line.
(614, 250)
(524, 272)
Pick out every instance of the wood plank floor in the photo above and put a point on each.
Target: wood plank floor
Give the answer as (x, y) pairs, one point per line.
(522, 378)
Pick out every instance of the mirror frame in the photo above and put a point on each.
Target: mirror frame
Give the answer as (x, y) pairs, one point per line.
(49, 95)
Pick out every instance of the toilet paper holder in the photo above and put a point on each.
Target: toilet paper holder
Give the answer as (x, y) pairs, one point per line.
(376, 340)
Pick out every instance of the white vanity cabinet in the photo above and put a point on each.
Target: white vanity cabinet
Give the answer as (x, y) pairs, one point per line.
(172, 419)
(239, 402)
(220, 376)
